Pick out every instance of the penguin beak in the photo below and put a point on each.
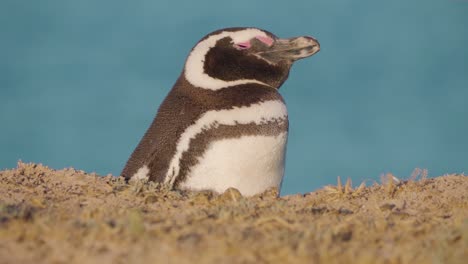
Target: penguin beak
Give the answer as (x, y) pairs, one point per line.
(291, 49)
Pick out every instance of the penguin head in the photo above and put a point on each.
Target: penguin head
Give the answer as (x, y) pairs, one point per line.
(235, 56)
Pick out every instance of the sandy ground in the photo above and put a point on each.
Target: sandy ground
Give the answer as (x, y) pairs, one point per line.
(68, 216)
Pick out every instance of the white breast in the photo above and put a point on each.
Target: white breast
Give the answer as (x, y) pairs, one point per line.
(258, 113)
(250, 164)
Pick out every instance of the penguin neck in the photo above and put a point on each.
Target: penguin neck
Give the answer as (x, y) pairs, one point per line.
(239, 95)
(186, 85)
(202, 80)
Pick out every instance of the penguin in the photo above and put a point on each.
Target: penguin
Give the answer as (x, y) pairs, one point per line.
(223, 124)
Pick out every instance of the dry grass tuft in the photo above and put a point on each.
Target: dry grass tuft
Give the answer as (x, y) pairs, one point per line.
(347, 190)
(421, 173)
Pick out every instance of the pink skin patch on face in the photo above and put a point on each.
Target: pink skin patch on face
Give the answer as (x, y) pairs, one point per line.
(267, 40)
(246, 44)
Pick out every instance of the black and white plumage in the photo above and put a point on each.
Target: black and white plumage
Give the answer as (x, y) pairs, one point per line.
(224, 123)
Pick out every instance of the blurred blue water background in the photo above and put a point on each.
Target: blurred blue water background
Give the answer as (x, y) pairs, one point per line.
(80, 81)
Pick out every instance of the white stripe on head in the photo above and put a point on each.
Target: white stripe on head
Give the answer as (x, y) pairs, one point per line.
(259, 113)
(194, 67)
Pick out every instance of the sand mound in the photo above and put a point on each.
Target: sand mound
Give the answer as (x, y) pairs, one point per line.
(68, 216)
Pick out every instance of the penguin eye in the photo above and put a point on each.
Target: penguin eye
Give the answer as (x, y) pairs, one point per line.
(242, 45)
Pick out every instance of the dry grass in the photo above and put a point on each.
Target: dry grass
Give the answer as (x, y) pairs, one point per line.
(341, 191)
(67, 216)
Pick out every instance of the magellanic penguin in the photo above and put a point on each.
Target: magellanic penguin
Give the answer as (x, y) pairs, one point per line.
(224, 123)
